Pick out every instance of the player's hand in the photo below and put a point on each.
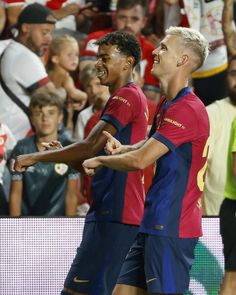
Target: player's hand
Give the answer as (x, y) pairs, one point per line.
(53, 145)
(22, 162)
(91, 166)
(113, 146)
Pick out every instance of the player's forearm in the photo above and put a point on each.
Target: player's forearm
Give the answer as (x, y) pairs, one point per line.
(134, 147)
(70, 154)
(124, 162)
(227, 26)
(71, 205)
(14, 206)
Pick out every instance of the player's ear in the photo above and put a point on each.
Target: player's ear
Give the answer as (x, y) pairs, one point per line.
(182, 60)
(129, 62)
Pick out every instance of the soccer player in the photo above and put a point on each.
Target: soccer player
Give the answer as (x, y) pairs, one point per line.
(118, 197)
(160, 259)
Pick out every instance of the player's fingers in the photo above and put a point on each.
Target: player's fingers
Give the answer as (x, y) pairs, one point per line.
(109, 147)
(107, 134)
(46, 145)
(89, 171)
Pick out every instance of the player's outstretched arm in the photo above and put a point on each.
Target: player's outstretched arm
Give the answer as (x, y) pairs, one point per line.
(73, 154)
(130, 161)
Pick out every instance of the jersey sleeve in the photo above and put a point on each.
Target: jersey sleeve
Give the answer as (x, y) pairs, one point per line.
(121, 108)
(33, 74)
(179, 126)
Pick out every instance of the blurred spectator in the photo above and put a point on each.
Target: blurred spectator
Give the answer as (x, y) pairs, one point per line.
(206, 17)
(3, 17)
(228, 25)
(47, 189)
(221, 114)
(130, 16)
(228, 219)
(163, 14)
(97, 95)
(7, 143)
(22, 72)
(65, 11)
(64, 59)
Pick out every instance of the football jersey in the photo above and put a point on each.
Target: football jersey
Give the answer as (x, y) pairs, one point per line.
(89, 52)
(173, 206)
(119, 196)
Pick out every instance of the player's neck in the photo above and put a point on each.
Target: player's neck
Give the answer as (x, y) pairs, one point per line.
(172, 88)
(124, 79)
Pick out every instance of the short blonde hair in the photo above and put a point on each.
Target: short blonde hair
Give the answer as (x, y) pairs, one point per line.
(194, 41)
(57, 45)
(59, 42)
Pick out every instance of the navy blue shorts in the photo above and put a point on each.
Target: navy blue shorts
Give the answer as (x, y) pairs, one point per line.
(159, 264)
(99, 258)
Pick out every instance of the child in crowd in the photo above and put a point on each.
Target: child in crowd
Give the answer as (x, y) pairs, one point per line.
(46, 189)
(64, 59)
(98, 95)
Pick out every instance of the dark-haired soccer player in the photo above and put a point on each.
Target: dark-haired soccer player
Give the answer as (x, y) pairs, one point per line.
(118, 197)
(160, 260)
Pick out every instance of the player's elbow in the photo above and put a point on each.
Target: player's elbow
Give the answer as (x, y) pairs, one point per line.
(138, 164)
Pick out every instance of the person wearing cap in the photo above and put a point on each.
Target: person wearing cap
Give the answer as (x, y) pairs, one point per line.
(22, 71)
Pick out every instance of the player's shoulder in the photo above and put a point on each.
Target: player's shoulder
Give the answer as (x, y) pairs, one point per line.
(131, 90)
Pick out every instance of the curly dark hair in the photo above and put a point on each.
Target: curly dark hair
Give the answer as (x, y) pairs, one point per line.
(127, 44)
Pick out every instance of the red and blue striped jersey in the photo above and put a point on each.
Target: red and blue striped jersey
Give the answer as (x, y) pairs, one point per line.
(119, 196)
(173, 206)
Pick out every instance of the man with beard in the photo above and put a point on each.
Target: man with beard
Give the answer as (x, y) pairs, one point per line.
(22, 71)
(131, 17)
(221, 114)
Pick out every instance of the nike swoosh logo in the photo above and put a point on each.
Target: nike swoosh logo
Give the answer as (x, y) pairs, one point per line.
(150, 280)
(77, 280)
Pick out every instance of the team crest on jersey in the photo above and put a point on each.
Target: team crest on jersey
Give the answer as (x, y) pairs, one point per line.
(61, 168)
